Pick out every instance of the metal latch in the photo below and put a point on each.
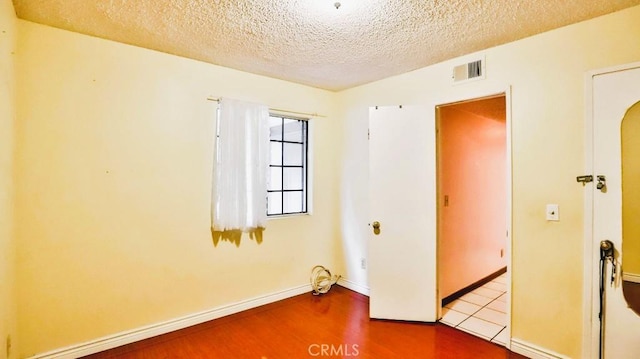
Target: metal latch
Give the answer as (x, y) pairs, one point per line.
(584, 179)
(602, 184)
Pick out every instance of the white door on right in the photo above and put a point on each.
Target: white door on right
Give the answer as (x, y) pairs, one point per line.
(615, 95)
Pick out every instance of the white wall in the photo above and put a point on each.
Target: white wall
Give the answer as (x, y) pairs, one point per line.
(7, 123)
(114, 151)
(547, 77)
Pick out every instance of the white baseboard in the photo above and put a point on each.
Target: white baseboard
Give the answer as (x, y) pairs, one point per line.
(364, 290)
(127, 337)
(631, 277)
(533, 351)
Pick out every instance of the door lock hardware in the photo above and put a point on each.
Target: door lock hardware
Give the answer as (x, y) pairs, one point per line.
(376, 228)
(602, 184)
(584, 179)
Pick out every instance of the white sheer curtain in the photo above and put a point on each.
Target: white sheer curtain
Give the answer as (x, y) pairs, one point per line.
(241, 163)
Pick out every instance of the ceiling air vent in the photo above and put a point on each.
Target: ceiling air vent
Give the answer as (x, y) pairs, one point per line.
(470, 71)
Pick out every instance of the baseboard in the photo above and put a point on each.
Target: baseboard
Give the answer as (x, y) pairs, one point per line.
(364, 290)
(533, 351)
(131, 336)
(473, 286)
(631, 277)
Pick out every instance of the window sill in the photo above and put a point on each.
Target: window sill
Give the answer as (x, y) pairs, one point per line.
(284, 216)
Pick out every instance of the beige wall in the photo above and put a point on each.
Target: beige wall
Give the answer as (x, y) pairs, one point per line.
(114, 166)
(472, 156)
(547, 77)
(7, 123)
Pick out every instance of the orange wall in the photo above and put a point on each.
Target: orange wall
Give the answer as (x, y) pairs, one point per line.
(472, 172)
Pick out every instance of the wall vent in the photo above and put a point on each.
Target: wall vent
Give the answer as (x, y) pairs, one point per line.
(470, 71)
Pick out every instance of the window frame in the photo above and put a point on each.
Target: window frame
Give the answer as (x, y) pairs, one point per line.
(306, 167)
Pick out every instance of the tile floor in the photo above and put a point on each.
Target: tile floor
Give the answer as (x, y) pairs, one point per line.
(481, 312)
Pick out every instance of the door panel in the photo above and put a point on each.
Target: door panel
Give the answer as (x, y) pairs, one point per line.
(402, 257)
(613, 94)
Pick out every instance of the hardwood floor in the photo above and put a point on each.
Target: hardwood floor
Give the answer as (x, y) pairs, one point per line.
(631, 292)
(334, 325)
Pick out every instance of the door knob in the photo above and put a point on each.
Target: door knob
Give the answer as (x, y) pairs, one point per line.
(376, 228)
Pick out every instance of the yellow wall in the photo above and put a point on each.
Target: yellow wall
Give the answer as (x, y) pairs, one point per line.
(7, 117)
(113, 193)
(547, 75)
(630, 191)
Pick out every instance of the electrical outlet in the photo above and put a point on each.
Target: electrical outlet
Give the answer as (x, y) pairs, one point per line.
(363, 263)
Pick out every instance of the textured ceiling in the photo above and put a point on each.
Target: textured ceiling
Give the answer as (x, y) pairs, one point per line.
(310, 41)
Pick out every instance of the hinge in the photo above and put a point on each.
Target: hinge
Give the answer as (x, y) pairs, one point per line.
(584, 179)
(368, 134)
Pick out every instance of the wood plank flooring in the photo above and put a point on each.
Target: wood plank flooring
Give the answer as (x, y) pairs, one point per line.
(334, 325)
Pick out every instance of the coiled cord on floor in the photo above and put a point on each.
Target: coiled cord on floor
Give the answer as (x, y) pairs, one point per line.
(322, 280)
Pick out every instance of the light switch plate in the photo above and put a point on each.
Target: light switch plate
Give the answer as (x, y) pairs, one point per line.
(553, 212)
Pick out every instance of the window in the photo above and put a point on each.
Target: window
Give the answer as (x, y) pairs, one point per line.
(287, 192)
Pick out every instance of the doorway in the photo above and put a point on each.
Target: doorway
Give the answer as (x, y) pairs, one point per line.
(472, 175)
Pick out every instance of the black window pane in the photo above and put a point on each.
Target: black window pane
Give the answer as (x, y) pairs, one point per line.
(293, 130)
(276, 153)
(275, 178)
(293, 153)
(274, 203)
(292, 202)
(292, 178)
(275, 128)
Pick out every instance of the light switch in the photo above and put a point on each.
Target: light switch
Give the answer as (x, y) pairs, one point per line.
(553, 212)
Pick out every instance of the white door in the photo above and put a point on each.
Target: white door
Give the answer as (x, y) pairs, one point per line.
(402, 257)
(613, 94)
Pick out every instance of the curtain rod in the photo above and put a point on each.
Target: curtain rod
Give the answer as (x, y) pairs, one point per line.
(216, 99)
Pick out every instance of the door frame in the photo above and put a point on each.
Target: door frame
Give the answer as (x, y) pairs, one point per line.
(591, 255)
(473, 95)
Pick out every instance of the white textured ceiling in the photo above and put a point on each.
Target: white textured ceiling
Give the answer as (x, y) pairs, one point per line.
(310, 41)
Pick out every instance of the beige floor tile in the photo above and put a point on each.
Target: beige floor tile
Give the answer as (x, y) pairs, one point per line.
(464, 307)
(492, 316)
(498, 305)
(497, 286)
(480, 328)
(501, 338)
(488, 292)
(452, 317)
(501, 279)
(476, 299)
